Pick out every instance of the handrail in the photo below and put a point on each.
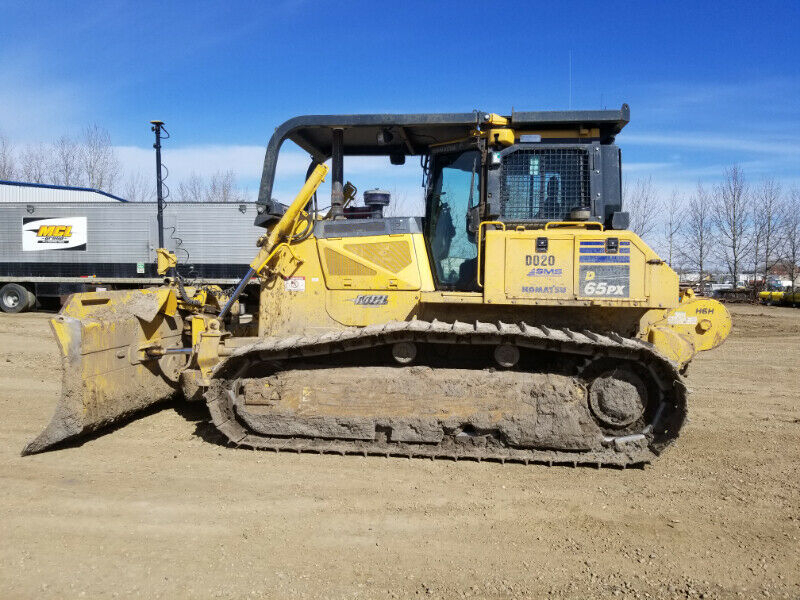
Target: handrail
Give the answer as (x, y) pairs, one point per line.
(584, 224)
(479, 239)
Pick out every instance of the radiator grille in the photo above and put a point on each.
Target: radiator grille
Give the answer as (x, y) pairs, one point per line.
(544, 183)
(392, 256)
(340, 265)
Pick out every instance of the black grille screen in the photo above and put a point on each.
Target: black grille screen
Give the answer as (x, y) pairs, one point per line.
(544, 183)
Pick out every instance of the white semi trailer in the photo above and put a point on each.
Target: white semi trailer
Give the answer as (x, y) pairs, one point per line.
(56, 240)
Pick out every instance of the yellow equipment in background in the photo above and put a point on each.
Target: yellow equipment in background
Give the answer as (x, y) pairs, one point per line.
(787, 298)
(518, 320)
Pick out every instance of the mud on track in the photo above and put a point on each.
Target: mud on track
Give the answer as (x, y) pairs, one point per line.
(160, 509)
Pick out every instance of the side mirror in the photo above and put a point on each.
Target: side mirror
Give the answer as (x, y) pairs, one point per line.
(397, 158)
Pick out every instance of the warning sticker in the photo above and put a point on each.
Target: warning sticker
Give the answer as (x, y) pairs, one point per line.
(295, 284)
(680, 318)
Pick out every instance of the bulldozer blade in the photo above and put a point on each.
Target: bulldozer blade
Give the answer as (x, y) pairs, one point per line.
(107, 373)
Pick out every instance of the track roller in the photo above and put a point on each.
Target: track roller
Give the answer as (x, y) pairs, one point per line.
(506, 355)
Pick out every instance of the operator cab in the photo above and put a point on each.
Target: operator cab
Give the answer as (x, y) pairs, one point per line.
(524, 171)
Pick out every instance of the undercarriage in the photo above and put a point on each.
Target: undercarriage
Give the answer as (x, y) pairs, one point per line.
(570, 397)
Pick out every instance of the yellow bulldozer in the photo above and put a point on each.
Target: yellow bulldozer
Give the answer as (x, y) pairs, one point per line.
(518, 320)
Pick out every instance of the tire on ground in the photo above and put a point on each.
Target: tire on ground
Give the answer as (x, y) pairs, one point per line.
(14, 298)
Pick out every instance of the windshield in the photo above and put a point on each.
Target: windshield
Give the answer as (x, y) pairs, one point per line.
(454, 184)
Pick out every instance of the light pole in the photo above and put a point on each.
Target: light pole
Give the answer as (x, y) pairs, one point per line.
(157, 126)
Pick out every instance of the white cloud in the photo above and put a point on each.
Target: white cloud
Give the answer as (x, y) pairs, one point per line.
(711, 141)
(692, 93)
(646, 167)
(247, 162)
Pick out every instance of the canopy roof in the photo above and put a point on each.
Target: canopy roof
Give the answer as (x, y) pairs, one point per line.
(414, 134)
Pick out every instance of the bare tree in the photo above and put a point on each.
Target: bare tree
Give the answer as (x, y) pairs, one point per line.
(191, 189)
(641, 202)
(7, 166)
(99, 163)
(768, 214)
(697, 232)
(137, 189)
(756, 238)
(731, 218)
(222, 188)
(673, 223)
(791, 236)
(65, 168)
(402, 204)
(35, 164)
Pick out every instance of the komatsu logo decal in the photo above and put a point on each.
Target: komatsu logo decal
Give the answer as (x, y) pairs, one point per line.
(370, 300)
(58, 233)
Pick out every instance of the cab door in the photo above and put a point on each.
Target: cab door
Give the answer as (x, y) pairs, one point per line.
(453, 190)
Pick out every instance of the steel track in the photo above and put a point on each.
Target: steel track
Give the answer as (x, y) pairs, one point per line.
(223, 398)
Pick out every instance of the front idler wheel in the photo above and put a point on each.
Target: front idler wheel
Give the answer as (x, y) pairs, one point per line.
(618, 398)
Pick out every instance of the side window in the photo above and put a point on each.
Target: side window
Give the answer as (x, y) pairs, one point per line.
(454, 254)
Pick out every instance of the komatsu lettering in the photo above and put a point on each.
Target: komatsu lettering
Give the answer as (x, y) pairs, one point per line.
(544, 289)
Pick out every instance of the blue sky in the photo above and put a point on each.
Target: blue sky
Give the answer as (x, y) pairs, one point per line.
(709, 84)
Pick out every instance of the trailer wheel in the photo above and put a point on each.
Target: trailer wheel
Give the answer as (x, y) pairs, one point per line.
(14, 298)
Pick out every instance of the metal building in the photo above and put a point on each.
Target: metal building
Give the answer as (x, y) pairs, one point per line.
(17, 191)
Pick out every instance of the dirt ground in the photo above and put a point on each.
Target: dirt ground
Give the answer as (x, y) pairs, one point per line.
(153, 510)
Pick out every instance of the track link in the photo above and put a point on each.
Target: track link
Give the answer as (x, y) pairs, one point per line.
(224, 401)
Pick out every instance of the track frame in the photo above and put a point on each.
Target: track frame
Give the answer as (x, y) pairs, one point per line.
(223, 399)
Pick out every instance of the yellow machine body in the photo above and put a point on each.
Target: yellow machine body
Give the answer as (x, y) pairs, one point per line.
(356, 282)
(123, 351)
